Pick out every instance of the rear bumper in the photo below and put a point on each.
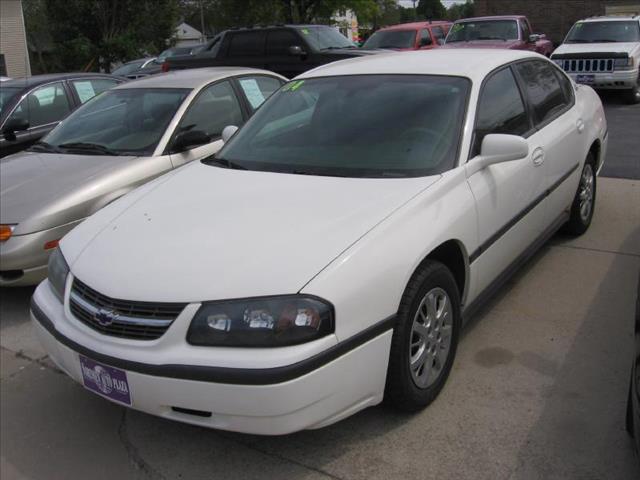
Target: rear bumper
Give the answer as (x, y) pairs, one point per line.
(352, 381)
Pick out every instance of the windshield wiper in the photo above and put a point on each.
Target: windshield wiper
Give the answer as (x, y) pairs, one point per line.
(225, 163)
(491, 38)
(44, 147)
(604, 40)
(337, 48)
(89, 148)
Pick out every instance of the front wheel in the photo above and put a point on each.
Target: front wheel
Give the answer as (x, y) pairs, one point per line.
(584, 200)
(425, 338)
(633, 95)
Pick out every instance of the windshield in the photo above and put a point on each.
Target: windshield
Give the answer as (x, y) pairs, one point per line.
(391, 39)
(355, 126)
(325, 38)
(127, 68)
(119, 122)
(483, 30)
(604, 32)
(7, 94)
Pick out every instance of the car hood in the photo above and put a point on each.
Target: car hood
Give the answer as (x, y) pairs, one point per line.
(207, 233)
(483, 44)
(597, 48)
(32, 183)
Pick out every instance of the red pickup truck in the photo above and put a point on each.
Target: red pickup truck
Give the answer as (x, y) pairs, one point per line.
(512, 32)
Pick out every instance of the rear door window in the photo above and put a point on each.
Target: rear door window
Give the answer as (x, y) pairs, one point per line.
(87, 89)
(247, 44)
(543, 90)
(425, 37)
(500, 109)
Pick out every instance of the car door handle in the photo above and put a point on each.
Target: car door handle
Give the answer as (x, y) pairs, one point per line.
(538, 157)
(580, 125)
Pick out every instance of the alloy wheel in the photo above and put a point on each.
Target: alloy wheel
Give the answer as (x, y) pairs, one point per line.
(431, 335)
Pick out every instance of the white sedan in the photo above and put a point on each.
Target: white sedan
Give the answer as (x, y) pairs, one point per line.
(330, 253)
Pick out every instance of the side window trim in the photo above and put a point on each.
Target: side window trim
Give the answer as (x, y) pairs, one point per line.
(174, 134)
(539, 126)
(523, 97)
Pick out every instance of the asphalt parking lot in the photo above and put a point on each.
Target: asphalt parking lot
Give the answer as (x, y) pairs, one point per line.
(538, 389)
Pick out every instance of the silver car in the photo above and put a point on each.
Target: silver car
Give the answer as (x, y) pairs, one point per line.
(117, 141)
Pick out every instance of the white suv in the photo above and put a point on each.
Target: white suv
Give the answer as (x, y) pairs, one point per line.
(603, 52)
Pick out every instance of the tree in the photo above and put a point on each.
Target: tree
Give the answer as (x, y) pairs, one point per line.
(92, 34)
(431, 10)
(461, 10)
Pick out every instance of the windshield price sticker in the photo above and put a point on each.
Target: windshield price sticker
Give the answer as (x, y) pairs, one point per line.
(252, 91)
(293, 86)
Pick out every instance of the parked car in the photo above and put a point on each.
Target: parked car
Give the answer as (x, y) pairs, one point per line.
(155, 66)
(31, 107)
(4, 79)
(510, 31)
(328, 255)
(633, 403)
(135, 68)
(409, 36)
(122, 139)
(604, 52)
(287, 49)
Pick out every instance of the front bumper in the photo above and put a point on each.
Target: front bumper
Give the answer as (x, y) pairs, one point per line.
(23, 259)
(275, 403)
(617, 80)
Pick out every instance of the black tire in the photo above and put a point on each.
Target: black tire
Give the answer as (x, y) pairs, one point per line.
(579, 223)
(401, 390)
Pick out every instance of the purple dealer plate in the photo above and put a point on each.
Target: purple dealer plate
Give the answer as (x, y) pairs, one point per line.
(107, 381)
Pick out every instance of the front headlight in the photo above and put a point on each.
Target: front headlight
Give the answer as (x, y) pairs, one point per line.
(623, 63)
(58, 271)
(261, 322)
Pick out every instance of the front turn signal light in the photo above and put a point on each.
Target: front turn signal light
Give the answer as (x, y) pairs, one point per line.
(5, 232)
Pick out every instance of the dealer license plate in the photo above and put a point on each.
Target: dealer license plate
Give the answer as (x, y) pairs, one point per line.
(586, 79)
(106, 381)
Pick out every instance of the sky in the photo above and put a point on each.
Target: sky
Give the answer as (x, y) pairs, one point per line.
(446, 3)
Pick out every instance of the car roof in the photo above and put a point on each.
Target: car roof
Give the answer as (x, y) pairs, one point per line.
(495, 17)
(616, 18)
(471, 63)
(192, 77)
(416, 25)
(35, 80)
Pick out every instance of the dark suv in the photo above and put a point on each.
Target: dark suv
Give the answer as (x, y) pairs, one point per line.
(285, 49)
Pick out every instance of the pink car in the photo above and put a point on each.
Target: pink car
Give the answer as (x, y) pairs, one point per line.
(511, 32)
(409, 36)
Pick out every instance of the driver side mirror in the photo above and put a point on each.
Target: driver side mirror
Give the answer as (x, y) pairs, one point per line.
(441, 41)
(534, 37)
(497, 148)
(296, 50)
(14, 125)
(189, 139)
(228, 132)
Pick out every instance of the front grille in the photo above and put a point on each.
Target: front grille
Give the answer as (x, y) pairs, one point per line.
(588, 65)
(121, 318)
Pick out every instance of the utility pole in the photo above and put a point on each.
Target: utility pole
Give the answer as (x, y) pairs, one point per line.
(204, 35)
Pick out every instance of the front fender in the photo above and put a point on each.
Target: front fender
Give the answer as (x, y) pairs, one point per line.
(367, 281)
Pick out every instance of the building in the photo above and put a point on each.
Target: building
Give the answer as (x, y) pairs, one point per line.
(14, 57)
(555, 17)
(185, 35)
